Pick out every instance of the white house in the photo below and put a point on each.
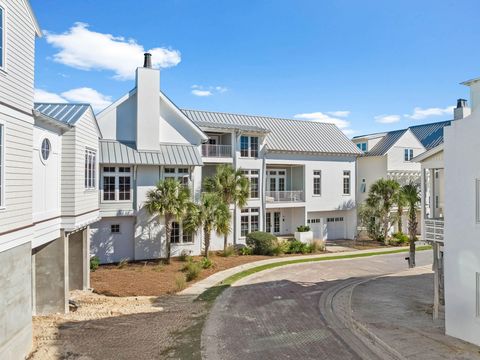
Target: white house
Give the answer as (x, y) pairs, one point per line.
(462, 223)
(300, 172)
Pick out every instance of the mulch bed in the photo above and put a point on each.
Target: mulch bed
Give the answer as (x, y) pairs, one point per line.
(153, 278)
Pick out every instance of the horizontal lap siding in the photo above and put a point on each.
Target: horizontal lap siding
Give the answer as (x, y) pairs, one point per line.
(68, 173)
(16, 85)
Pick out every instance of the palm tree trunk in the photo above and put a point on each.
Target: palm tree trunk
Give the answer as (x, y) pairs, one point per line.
(412, 229)
(385, 229)
(207, 241)
(400, 220)
(225, 242)
(411, 256)
(168, 231)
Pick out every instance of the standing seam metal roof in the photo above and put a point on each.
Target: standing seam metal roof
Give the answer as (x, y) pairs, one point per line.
(386, 143)
(285, 134)
(66, 113)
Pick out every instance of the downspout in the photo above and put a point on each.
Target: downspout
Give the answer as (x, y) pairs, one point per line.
(263, 187)
(234, 146)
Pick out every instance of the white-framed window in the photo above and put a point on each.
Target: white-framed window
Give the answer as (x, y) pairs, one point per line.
(115, 228)
(177, 236)
(2, 165)
(249, 146)
(3, 37)
(249, 221)
(346, 182)
(317, 182)
(408, 154)
(90, 168)
(117, 183)
(337, 219)
(46, 149)
(253, 176)
(182, 174)
(362, 146)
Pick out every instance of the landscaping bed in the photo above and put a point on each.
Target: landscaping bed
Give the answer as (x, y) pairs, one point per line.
(153, 278)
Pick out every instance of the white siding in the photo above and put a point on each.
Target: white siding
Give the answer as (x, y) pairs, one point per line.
(370, 168)
(396, 159)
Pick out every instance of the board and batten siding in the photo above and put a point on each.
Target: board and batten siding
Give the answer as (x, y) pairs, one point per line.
(16, 80)
(75, 198)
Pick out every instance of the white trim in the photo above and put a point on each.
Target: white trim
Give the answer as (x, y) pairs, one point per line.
(3, 55)
(2, 162)
(33, 18)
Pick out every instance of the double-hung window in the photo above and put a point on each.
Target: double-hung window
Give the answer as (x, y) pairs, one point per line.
(90, 169)
(180, 174)
(249, 221)
(249, 146)
(117, 183)
(2, 37)
(178, 236)
(346, 182)
(317, 182)
(2, 165)
(408, 154)
(252, 176)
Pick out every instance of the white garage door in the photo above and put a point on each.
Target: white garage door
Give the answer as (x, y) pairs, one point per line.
(335, 228)
(318, 228)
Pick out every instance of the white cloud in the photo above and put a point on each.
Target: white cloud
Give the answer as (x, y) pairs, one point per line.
(84, 49)
(80, 95)
(339, 113)
(322, 117)
(387, 119)
(420, 114)
(203, 91)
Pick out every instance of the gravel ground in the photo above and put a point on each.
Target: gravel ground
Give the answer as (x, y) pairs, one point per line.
(119, 328)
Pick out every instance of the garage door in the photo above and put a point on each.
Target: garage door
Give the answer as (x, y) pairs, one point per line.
(335, 228)
(318, 228)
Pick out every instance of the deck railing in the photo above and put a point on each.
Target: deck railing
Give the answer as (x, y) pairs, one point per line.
(217, 151)
(285, 196)
(434, 230)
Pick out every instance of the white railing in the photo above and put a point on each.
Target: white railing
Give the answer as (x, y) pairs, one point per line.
(218, 151)
(434, 230)
(285, 196)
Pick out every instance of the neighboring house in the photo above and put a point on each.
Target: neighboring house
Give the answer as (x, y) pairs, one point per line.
(462, 223)
(389, 155)
(301, 172)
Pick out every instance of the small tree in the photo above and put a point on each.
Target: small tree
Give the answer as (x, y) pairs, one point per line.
(171, 199)
(212, 214)
(381, 197)
(412, 198)
(401, 202)
(369, 218)
(232, 186)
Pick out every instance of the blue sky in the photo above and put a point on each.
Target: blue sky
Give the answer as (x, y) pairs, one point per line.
(364, 65)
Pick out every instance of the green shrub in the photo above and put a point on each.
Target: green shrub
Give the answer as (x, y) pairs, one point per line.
(229, 251)
(206, 263)
(280, 247)
(184, 256)
(303, 228)
(192, 269)
(94, 263)
(245, 251)
(316, 246)
(262, 243)
(399, 239)
(297, 247)
(180, 282)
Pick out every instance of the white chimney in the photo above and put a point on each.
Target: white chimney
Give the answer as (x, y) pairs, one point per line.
(462, 110)
(148, 106)
(474, 93)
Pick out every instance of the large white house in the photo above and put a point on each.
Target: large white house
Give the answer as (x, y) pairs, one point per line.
(300, 172)
(462, 223)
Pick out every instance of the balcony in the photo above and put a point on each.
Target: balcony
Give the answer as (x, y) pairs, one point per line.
(434, 230)
(217, 151)
(285, 196)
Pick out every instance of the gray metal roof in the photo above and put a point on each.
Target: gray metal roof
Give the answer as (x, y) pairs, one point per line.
(214, 125)
(66, 113)
(116, 152)
(386, 143)
(285, 134)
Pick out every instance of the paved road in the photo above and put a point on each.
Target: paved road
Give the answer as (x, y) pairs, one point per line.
(296, 312)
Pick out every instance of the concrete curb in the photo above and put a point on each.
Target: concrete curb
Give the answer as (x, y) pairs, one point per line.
(203, 285)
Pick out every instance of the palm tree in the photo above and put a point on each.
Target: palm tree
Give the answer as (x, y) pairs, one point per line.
(212, 214)
(232, 186)
(382, 195)
(171, 199)
(401, 202)
(412, 198)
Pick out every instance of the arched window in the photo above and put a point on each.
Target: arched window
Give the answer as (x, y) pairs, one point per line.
(46, 147)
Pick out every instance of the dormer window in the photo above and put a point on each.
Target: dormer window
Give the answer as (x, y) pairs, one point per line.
(362, 146)
(249, 146)
(2, 37)
(408, 154)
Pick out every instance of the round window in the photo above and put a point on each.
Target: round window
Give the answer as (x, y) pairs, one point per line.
(46, 147)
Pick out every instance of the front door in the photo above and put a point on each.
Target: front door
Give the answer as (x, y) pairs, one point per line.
(273, 222)
(276, 180)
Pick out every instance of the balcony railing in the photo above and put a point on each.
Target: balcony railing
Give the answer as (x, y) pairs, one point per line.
(217, 151)
(285, 196)
(434, 230)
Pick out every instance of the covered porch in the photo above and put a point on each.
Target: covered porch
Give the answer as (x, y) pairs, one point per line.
(285, 184)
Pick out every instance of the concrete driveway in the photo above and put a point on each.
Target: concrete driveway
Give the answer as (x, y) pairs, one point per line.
(305, 311)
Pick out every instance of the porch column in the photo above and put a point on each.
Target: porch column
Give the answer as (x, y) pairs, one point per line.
(422, 201)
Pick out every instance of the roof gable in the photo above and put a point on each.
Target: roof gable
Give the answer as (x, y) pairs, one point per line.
(33, 18)
(382, 147)
(430, 135)
(66, 113)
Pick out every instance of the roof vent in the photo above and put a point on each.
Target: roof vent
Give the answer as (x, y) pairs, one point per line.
(461, 103)
(147, 62)
(462, 110)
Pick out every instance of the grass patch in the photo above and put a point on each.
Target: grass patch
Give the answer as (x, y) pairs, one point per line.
(212, 293)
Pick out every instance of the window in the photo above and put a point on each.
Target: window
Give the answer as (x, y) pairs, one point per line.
(317, 182)
(90, 166)
(252, 176)
(178, 236)
(408, 154)
(117, 183)
(46, 147)
(2, 165)
(249, 146)
(363, 186)
(346, 183)
(362, 146)
(115, 228)
(249, 221)
(2, 38)
(180, 174)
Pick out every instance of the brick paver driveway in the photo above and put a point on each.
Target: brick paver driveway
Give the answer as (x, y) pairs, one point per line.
(295, 312)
